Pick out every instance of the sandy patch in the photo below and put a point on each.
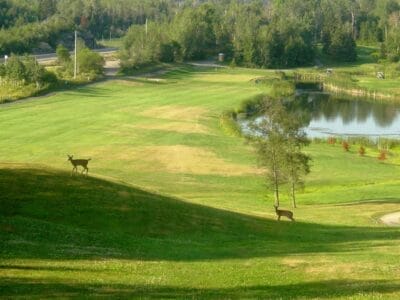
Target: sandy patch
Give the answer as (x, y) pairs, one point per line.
(173, 159)
(334, 268)
(175, 112)
(325, 266)
(392, 219)
(293, 262)
(127, 82)
(185, 159)
(115, 63)
(181, 127)
(156, 80)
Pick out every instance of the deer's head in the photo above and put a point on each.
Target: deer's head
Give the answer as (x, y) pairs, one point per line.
(70, 157)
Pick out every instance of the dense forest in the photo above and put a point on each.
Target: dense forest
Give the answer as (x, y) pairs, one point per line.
(275, 33)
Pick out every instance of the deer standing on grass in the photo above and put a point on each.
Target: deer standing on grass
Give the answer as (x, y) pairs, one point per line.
(286, 213)
(79, 162)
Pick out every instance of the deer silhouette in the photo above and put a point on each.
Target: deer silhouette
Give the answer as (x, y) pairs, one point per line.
(79, 162)
(286, 213)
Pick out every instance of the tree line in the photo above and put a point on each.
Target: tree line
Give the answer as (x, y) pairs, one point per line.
(40, 25)
(274, 33)
(267, 33)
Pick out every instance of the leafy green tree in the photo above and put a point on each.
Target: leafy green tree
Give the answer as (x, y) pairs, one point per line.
(170, 52)
(193, 29)
(34, 72)
(144, 46)
(297, 163)
(15, 69)
(278, 138)
(63, 55)
(90, 62)
(341, 45)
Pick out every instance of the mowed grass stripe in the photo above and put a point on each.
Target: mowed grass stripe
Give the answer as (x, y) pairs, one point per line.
(181, 214)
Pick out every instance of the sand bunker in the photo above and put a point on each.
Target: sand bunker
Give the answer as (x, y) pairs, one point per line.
(392, 219)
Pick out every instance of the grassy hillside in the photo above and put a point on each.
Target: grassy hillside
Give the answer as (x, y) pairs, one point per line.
(175, 207)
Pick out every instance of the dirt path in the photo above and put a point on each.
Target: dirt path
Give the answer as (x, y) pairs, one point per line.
(392, 219)
(111, 67)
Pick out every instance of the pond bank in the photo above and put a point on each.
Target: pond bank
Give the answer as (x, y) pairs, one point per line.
(345, 86)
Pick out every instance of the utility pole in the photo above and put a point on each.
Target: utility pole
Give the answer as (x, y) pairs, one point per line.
(76, 52)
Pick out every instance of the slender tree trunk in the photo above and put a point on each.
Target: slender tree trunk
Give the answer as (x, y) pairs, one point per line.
(276, 192)
(276, 180)
(294, 195)
(353, 25)
(276, 187)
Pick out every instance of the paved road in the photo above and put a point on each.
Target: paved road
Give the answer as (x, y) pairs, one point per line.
(52, 56)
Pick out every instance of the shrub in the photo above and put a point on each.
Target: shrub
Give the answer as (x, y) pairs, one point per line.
(170, 52)
(331, 140)
(90, 62)
(228, 121)
(393, 57)
(15, 69)
(251, 106)
(361, 151)
(346, 146)
(63, 55)
(282, 88)
(382, 155)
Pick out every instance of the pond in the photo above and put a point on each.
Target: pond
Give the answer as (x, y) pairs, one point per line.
(328, 115)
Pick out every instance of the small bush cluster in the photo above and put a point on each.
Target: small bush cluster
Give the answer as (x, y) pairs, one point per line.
(382, 155)
(331, 140)
(19, 71)
(346, 146)
(361, 151)
(363, 142)
(90, 63)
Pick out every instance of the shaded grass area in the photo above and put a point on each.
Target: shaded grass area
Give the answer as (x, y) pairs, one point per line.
(120, 221)
(69, 236)
(321, 289)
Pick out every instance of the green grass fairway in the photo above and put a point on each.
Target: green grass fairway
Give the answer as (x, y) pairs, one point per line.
(175, 207)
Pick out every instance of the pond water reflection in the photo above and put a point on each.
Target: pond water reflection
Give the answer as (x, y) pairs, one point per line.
(329, 116)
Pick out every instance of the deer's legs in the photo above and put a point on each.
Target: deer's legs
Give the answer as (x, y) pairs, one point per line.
(86, 170)
(279, 218)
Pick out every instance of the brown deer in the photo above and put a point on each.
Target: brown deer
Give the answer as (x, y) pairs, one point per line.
(286, 213)
(79, 162)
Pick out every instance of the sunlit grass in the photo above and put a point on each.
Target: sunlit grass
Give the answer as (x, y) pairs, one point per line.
(174, 207)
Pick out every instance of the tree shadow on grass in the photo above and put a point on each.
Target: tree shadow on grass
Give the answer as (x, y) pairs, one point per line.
(93, 91)
(316, 289)
(48, 214)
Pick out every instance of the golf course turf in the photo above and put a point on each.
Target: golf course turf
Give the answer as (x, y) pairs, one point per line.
(175, 207)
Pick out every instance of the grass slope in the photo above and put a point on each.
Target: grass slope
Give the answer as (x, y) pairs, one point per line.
(178, 208)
